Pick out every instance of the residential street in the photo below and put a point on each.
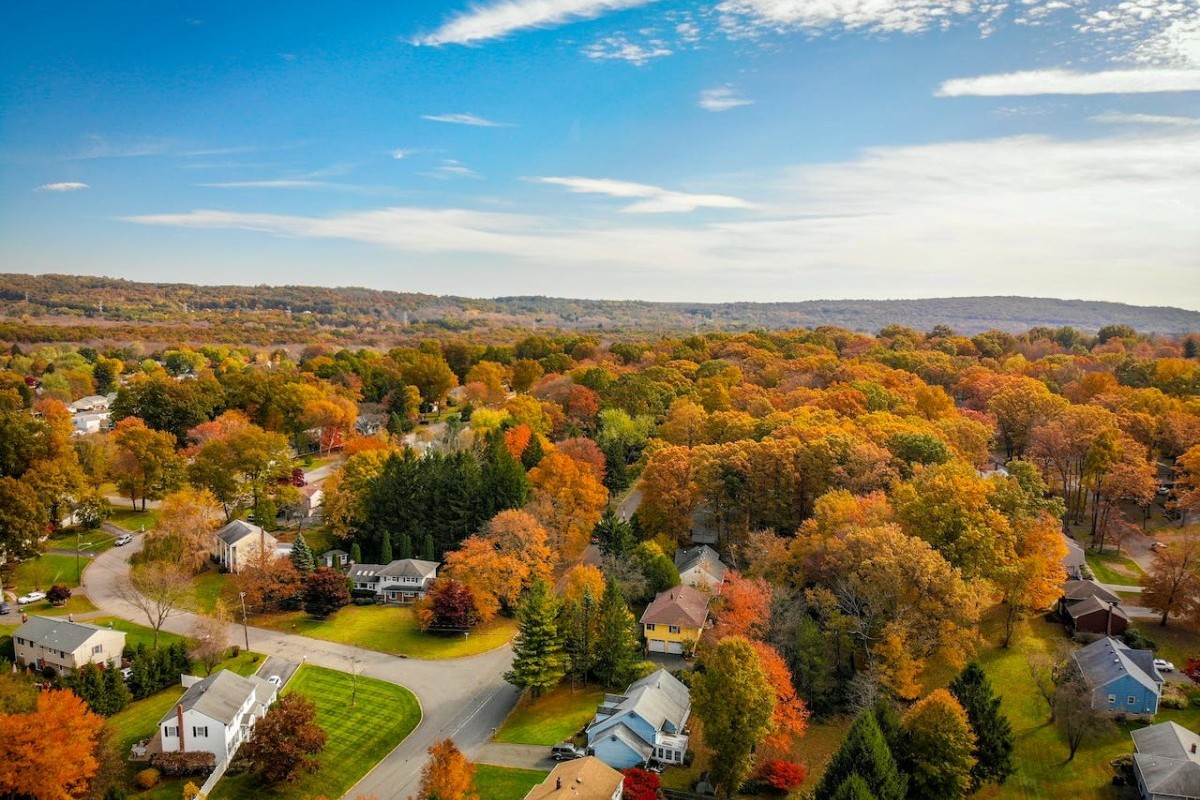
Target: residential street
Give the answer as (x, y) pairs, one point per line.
(462, 698)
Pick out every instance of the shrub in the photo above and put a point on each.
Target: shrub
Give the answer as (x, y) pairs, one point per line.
(363, 593)
(116, 793)
(49, 673)
(640, 785)
(148, 778)
(237, 650)
(782, 776)
(187, 764)
(364, 601)
(58, 594)
(1138, 640)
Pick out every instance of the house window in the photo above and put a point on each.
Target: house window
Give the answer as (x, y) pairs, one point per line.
(1112, 698)
(649, 626)
(1132, 700)
(673, 628)
(170, 731)
(676, 756)
(98, 649)
(20, 640)
(199, 731)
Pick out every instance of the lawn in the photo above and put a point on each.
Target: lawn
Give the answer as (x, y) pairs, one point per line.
(207, 588)
(391, 629)
(89, 541)
(505, 783)
(78, 604)
(1109, 567)
(136, 634)
(552, 718)
(46, 570)
(134, 521)
(359, 736)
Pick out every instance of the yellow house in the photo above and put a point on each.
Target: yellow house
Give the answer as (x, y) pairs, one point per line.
(674, 621)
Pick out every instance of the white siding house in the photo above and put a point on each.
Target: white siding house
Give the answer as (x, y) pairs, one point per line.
(66, 646)
(216, 715)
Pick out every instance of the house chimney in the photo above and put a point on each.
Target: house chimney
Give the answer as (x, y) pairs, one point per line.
(558, 783)
(1108, 623)
(1193, 747)
(179, 721)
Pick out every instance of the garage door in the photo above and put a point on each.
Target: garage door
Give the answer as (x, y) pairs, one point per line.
(657, 645)
(675, 647)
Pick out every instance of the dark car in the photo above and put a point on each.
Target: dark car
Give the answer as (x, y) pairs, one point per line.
(566, 752)
(5, 608)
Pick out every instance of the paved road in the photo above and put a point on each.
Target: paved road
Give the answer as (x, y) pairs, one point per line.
(465, 698)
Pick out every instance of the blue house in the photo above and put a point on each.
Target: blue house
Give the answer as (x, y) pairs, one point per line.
(1122, 680)
(646, 722)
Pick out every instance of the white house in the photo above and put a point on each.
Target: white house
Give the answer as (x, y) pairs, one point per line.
(335, 558)
(311, 498)
(239, 542)
(648, 721)
(700, 567)
(66, 646)
(403, 581)
(1166, 762)
(216, 715)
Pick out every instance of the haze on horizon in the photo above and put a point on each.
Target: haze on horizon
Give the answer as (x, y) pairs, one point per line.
(763, 150)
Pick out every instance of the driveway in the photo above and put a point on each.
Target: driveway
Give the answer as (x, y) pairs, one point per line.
(521, 756)
(464, 699)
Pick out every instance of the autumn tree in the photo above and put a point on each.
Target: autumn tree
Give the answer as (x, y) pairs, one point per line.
(447, 774)
(209, 638)
(158, 589)
(146, 463)
(62, 771)
(994, 742)
(568, 500)
(539, 661)
(1074, 713)
(449, 606)
(325, 591)
(1032, 580)
(508, 556)
(287, 740)
(187, 519)
(580, 579)
(742, 608)
(1172, 586)
(938, 747)
(790, 718)
(734, 699)
(267, 582)
(22, 521)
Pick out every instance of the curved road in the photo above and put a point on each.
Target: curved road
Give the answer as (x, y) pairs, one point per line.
(464, 699)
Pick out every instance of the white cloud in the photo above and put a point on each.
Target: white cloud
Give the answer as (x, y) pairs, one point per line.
(651, 199)
(498, 19)
(1177, 44)
(746, 17)
(619, 48)
(402, 154)
(452, 168)
(1119, 118)
(66, 186)
(1061, 81)
(466, 119)
(1111, 217)
(721, 98)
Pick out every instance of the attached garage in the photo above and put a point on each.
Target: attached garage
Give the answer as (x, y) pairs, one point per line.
(662, 646)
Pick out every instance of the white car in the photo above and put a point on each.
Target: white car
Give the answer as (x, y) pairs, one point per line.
(1162, 665)
(275, 681)
(32, 597)
(123, 540)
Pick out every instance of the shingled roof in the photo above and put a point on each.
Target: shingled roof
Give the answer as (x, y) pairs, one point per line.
(682, 605)
(56, 634)
(1166, 757)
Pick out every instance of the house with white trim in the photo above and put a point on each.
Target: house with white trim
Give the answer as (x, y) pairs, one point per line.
(239, 543)
(66, 646)
(405, 580)
(648, 721)
(216, 715)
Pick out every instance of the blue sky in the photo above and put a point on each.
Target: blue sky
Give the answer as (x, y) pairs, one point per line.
(722, 150)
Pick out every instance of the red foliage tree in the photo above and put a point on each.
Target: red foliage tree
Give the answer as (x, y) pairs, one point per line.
(449, 605)
(783, 776)
(325, 592)
(640, 784)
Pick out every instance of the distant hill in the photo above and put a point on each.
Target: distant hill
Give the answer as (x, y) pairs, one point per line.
(94, 301)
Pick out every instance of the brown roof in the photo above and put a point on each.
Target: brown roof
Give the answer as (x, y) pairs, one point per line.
(586, 778)
(682, 605)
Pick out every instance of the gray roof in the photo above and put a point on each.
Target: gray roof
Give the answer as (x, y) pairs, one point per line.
(701, 556)
(659, 698)
(362, 571)
(1167, 739)
(219, 696)
(1169, 777)
(401, 568)
(1093, 605)
(57, 634)
(1108, 659)
(238, 530)
(1074, 591)
(335, 553)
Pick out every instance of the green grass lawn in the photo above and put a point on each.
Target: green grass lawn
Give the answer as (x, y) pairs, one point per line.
(391, 629)
(207, 587)
(505, 783)
(46, 570)
(552, 718)
(78, 604)
(359, 736)
(136, 634)
(1112, 568)
(94, 541)
(134, 521)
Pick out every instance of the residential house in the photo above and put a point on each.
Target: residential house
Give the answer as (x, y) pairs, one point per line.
(93, 403)
(648, 721)
(311, 498)
(216, 715)
(403, 581)
(700, 567)
(1087, 607)
(1122, 680)
(1166, 763)
(66, 646)
(674, 621)
(239, 543)
(85, 423)
(335, 558)
(586, 778)
(1074, 561)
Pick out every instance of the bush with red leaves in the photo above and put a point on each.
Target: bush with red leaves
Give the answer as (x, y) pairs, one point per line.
(782, 776)
(640, 785)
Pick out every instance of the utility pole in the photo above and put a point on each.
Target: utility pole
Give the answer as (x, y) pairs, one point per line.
(245, 629)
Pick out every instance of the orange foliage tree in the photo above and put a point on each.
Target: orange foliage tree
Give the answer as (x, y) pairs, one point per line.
(50, 753)
(568, 499)
(447, 775)
(744, 607)
(790, 719)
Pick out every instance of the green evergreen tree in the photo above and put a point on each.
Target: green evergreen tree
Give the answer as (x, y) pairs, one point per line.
(427, 548)
(504, 482)
(937, 746)
(864, 753)
(539, 661)
(618, 649)
(302, 555)
(405, 546)
(615, 535)
(533, 452)
(356, 553)
(385, 549)
(117, 694)
(994, 740)
(853, 788)
(812, 666)
(579, 623)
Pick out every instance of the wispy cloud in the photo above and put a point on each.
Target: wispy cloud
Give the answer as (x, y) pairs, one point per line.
(747, 17)
(402, 154)
(452, 168)
(721, 98)
(1061, 81)
(66, 186)
(498, 19)
(1118, 118)
(651, 199)
(466, 119)
(620, 48)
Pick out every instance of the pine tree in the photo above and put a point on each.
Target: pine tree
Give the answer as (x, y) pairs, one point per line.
(533, 453)
(302, 555)
(405, 546)
(427, 548)
(864, 753)
(579, 622)
(812, 666)
(539, 662)
(617, 647)
(615, 535)
(993, 732)
(355, 553)
(385, 549)
(853, 788)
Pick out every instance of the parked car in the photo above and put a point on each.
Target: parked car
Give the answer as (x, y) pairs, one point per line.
(5, 608)
(1158, 545)
(275, 681)
(32, 597)
(1162, 665)
(1164, 490)
(123, 540)
(566, 751)
(127, 673)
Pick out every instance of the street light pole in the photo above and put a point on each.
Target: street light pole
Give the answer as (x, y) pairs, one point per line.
(245, 630)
